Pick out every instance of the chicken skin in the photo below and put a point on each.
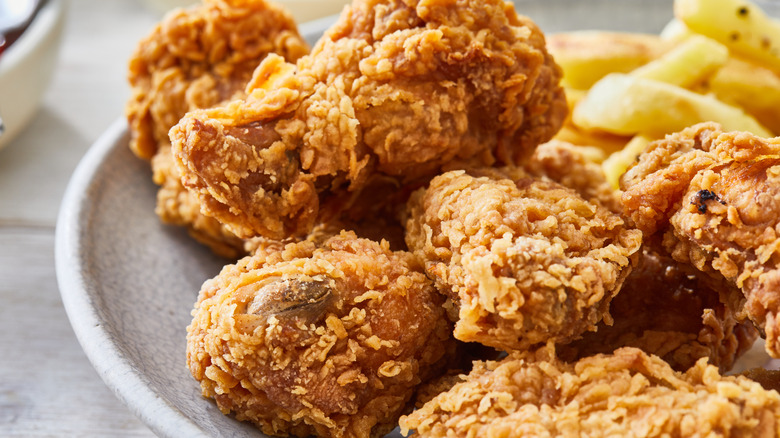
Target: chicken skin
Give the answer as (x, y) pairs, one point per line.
(672, 311)
(713, 199)
(568, 165)
(628, 393)
(523, 259)
(325, 338)
(396, 91)
(198, 58)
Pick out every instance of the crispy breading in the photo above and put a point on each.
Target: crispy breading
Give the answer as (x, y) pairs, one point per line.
(672, 311)
(628, 393)
(713, 199)
(326, 339)
(395, 90)
(177, 206)
(197, 58)
(524, 259)
(568, 165)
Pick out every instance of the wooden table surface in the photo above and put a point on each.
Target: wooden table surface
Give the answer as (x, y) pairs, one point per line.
(47, 385)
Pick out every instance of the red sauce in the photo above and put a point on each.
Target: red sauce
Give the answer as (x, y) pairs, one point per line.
(9, 35)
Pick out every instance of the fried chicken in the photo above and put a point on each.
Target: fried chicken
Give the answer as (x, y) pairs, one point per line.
(177, 206)
(395, 90)
(319, 338)
(568, 165)
(627, 393)
(713, 197)
(198, 58)
(524, 259)
(769, 379)
(672, 311)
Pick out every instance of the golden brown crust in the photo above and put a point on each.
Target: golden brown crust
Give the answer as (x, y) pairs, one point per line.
(328, 339)
(525, 259)
(397, 90)
(197, 58)
(672, 311)
(567, 165)
(628, 393)
(713, 198)
(177, 206)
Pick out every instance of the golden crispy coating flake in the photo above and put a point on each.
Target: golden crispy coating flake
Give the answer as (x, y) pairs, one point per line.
(395, 90)
(713, 198)
(525, 259)
(628, 393)
(672, 311)
(197, 58)
(328, 339)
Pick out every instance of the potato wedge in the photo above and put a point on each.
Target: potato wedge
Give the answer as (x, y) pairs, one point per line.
(739, 24)
(587, 56)
(616, 164)
(571, 133)
(675, 31)
(691, 62)
(754, 88)
(626, 105)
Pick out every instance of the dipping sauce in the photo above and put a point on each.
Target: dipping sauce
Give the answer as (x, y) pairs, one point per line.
(15, 18)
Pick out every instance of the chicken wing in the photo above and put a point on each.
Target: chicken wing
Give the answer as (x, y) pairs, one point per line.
(672, 311)
(713, 198)
(198, 58)
(627, 393)
(569, 166)
(325, 338)
(395, 90)
(524, 259)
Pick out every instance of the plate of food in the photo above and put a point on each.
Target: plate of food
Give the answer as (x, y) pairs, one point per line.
(445, 218)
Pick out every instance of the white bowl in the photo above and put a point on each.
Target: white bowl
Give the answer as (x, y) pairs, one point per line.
(26, 68)
(128, 282)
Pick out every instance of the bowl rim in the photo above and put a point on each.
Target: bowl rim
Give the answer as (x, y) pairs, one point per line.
(114, 368)
(112, 365)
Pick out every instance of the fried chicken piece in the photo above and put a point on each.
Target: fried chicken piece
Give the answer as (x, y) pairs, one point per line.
(524, 259)
(177, 206)
(568, 165)
(200, 57)
(713, 197)
(197, 58)
(769, 379)
(672, 311)
(327, 339)
(466, 355)
(627, 393)
(395, 90)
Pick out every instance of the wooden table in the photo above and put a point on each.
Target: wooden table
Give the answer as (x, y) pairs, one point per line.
(47, 385)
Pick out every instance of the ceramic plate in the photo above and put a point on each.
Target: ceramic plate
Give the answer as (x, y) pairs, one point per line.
(128, 282)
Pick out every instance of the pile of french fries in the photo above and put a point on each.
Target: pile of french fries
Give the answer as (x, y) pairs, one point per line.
(718, 60)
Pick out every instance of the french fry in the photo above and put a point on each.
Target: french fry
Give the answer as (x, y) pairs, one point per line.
(587, 56)
(616, 164)
(675, 31)
(754, 88)
(569, 132)
(739, 24)
(627, 105)
(604, 141)
(691, 62)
